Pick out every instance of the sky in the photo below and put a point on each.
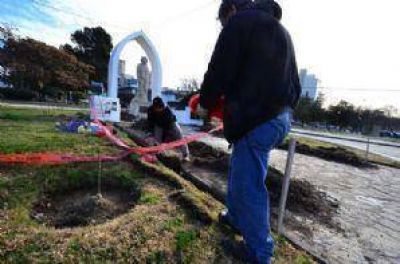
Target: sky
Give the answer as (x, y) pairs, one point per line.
(352, 46)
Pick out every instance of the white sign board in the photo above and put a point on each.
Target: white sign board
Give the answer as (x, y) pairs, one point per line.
(105, 109)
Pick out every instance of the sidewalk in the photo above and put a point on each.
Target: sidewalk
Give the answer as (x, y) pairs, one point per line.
(368, 214)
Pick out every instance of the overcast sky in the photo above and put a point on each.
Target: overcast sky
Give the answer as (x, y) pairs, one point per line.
(351, 45)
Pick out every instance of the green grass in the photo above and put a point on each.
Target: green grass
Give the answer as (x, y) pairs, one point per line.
(74, 245)
(26, 131)
(173, 224)
(184, 239)
(302, 260)
(157, 257)
(24, 184)
(150, 199)
(26, 114)
(152, 234)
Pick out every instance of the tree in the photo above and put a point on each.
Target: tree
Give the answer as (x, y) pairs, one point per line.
(318, 113)
(390, 113)
(34, 65)
(92, 46)
(303, 111)
(190, 85)
(343, 114)
(310, 111)
(6, 32)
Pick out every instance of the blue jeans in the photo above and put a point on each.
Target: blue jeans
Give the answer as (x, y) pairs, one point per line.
(248, 199)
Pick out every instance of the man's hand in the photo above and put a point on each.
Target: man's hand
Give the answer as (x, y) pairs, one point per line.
(215, 122)
(201, 112)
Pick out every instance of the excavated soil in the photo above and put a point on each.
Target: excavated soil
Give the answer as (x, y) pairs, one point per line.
(303, 198)
(336, 154)
(208, 157)
(83, 206)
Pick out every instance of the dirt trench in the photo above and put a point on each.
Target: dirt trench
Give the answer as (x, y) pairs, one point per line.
(303, 197)
(84, 205)
(209, 167)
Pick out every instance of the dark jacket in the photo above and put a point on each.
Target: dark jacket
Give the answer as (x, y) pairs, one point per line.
(164, 119)
(254, 67)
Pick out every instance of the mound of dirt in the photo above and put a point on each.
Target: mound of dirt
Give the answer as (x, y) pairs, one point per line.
(303, 198)
(82, 207)
(337, 154)
(209, 157)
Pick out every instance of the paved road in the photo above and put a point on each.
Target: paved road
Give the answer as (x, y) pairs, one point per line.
(380, 147)
(369, 211)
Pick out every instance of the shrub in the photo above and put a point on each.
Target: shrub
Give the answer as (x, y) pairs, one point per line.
(18, 94)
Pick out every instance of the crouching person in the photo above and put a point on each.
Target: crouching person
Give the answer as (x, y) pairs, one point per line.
(163, 123)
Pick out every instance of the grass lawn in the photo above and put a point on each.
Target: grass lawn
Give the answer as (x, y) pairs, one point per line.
(28, 130)
(168, 221)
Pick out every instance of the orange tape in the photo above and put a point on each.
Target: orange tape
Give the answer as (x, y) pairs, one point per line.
(54, 158)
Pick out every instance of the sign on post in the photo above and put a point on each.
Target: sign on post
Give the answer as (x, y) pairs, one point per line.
(105, 109)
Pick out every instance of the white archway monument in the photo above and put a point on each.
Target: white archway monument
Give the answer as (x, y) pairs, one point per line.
(151, 52)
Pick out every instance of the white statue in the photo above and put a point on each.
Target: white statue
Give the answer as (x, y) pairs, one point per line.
(144, 78)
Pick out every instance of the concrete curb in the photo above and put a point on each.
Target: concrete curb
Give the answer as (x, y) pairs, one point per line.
(347, 139)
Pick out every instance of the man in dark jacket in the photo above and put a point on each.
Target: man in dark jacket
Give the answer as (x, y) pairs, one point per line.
(163, 122)
(254, 68)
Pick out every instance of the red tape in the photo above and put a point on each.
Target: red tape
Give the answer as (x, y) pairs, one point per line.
(175, 144)
(54, 158)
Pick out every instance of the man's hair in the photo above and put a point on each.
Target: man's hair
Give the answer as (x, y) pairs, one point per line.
(158, 102)
(277, 10)
(271, 6)
(226, 6)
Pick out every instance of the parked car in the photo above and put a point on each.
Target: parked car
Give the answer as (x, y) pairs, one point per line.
(386, 133)
(389, 134)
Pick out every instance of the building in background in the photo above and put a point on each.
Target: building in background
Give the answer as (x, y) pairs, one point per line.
(121, 74)
(169, 95)
(309, 83)
(125, 80)
(130, 82)
(127, 84)
(3, 73)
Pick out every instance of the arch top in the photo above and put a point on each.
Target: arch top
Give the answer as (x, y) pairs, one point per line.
(145, 43)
